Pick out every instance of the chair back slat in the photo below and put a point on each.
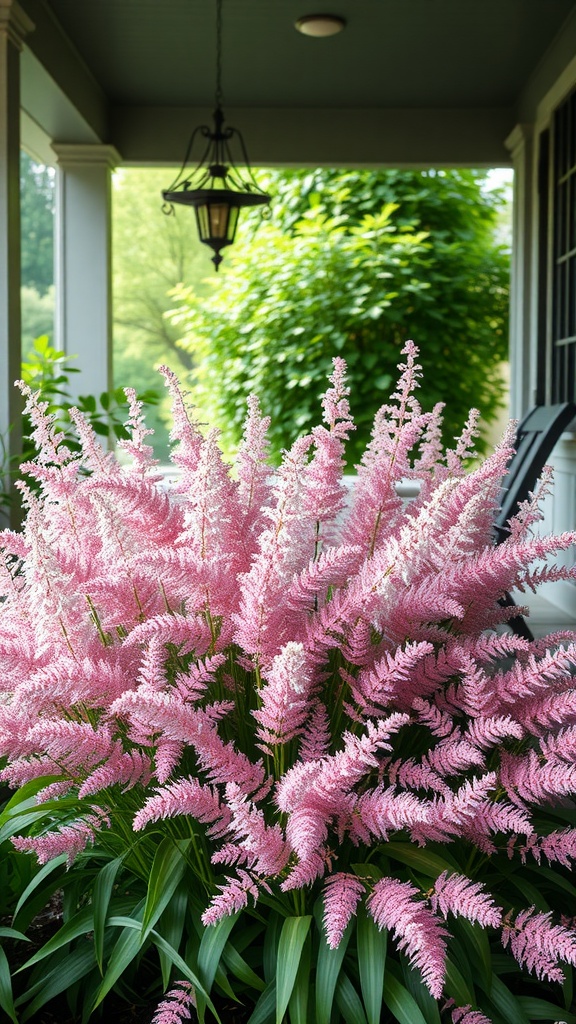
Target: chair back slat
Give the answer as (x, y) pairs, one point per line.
(536, 437)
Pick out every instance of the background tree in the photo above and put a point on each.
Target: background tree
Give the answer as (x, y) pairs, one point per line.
(336, 272)
(37, 250)
(152, 254)
(37, 224)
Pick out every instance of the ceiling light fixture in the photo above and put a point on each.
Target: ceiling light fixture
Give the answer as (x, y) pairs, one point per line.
(320, 25)
(216, 188)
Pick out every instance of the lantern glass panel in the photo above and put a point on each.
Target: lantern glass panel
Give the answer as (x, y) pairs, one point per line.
(218, 214)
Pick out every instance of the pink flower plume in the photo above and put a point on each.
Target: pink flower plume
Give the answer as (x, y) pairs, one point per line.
(418, 932)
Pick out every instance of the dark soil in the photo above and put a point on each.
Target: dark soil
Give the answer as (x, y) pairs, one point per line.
(114, 1013)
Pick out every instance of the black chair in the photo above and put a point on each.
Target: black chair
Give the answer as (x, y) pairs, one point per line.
(536, 436)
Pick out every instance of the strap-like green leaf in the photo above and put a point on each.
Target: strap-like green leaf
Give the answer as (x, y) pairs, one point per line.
(542, 871)
(298, 1003)
(124, 952)
(349, 1002)
(101, 894)
(213, 941)
(39, 877)
(170, 926)
(541, 1009)
(412, 980)
(6, 999)
(130, 923)
(292, 939)
(507, 1004)
(25, 796)
(422, 859)
(270, 951)
(456, 986)
(80, 924)
(371, 944)
(474, 945)
(265, 1008)
(237, 966)
(70, 969)
(168, 868)
(327, 972)
(12, 933)
(400, 1002)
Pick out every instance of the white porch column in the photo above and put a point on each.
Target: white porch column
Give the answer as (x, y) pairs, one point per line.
(522, 304)
(83, 322)
(14, 26)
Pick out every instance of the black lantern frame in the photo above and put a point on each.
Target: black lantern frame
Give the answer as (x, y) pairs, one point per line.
(215, 187)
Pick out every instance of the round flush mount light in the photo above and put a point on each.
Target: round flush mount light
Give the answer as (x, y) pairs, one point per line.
(320, 25)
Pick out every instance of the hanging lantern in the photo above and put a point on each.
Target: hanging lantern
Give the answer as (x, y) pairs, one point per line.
(215, 187)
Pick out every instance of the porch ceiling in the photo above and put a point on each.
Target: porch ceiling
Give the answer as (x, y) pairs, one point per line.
(125, 63)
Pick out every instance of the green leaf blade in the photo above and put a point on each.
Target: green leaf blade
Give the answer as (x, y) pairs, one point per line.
(371, 942)
(167, 871)
(290, 946)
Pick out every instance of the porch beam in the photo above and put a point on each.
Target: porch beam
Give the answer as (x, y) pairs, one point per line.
(14, 27)
(58, 89)
(330, 137)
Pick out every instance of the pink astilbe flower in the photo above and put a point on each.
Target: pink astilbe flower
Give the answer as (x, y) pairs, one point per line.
(466, 1015)
(558, 846)
(70, 839)
(185, 796)
(342, 893)
(306, 677)
(418, 932)
(264, 619)
(538, 945)
(331, 798)
(142, 453)
(260, 846)
(184, 431)
(232, 897)
(125, 769)
(253, 470)
(284, 698)
(456, 894)
(177, 1004)
(324, 492)
(315, 742)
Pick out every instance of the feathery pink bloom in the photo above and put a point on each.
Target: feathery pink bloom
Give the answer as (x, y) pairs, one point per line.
(232, 897)
(185, 796)
(285, 697)
(342, 893)
(456, 894)
(418, 932)
(466, 1015)
(70, 839)
(538, 945)
(147, 634)
(177, 1004)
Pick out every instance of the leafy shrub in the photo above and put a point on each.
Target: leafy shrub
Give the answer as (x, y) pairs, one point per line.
(347, 268)
(47, 370)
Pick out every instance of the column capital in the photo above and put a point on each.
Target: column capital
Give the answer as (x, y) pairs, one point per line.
(14, 22)
(72, 154)
(520, 137)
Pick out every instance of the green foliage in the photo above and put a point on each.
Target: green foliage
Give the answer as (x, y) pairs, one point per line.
(347, 270)
(47, 370)
(37, 224)
(152, 254)
(37, 316)
(129, 925)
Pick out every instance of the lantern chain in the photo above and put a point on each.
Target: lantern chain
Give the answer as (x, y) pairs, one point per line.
(219, 98)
